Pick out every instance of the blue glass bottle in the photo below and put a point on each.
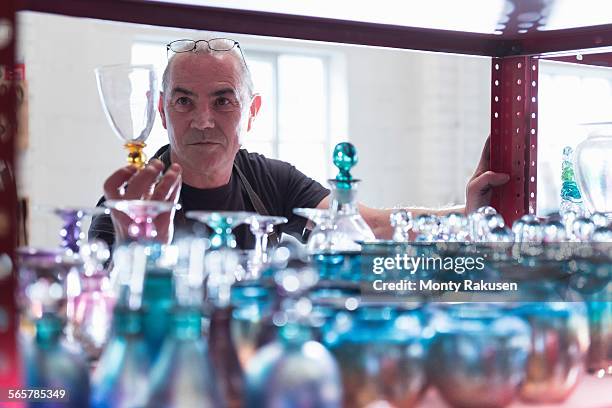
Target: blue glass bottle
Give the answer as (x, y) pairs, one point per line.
(120, 379)
(183, 375)
(50, 364)
(121, 376)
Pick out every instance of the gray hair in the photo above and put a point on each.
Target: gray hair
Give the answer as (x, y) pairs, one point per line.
(235, 52)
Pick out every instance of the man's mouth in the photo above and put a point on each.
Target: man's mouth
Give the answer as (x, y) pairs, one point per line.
(203, 143)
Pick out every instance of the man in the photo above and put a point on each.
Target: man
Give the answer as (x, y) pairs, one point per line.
(207, 104)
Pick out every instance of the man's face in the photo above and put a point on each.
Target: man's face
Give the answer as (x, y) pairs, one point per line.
(205, 110)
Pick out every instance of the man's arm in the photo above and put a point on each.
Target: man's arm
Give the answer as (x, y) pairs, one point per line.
(478, 193)
(378, 218)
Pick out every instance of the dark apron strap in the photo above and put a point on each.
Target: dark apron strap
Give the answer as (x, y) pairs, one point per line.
(257, 203)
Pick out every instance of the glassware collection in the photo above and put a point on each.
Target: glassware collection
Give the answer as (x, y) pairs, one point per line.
(199, 323)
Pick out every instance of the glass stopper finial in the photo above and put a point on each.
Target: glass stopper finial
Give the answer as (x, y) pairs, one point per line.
(345, 157)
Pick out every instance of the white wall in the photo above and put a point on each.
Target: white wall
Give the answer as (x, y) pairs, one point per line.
(417, 119)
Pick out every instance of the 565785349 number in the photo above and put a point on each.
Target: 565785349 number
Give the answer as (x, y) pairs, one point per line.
(33, 394)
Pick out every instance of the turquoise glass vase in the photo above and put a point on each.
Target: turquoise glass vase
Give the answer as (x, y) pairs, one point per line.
(183, 375)
(120, 379)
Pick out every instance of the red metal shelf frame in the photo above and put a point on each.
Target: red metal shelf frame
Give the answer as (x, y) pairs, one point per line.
(514, 85)
(9, 373)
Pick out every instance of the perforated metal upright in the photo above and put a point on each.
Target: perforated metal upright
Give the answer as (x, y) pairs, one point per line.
(9, 374)
(514, 130)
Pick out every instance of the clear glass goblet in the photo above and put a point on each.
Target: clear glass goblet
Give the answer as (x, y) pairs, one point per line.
(129, 95)
(261, 226)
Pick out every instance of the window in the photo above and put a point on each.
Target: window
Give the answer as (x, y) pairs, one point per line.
(293, 124)
(569, 96)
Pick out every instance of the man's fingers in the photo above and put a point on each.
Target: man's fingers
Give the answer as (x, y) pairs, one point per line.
(485, 158)
(489, 179)
(168, 183)
(116, 180)
(140, 184)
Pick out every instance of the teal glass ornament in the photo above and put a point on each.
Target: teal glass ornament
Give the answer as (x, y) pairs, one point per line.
(571, 199)
(121, 375)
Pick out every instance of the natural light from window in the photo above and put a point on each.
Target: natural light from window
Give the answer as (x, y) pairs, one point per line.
(570, 95)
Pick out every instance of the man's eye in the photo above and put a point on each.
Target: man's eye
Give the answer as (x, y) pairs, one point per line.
(183, 100)
(222, 102)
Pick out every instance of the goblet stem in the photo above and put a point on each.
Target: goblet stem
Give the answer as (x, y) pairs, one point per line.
(136, 156)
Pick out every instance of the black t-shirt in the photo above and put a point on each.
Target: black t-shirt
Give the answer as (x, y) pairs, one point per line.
(279, 185)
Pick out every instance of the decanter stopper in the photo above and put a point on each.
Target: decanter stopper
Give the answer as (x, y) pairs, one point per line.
(345, 158)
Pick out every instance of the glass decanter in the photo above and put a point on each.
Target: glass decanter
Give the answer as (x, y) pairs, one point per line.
(344, 207)
(49, 361)
(183, 375)
(157, 295)
(593, 166)
(120, 379)
(129, 95)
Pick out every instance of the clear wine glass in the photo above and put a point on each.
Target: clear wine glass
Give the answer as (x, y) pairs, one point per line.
(129, 94)
(261, 226)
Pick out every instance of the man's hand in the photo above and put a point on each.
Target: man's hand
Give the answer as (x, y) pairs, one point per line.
(143, 185)
(480, 187)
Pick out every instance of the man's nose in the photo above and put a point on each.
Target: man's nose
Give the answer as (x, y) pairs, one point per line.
(203, 118)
